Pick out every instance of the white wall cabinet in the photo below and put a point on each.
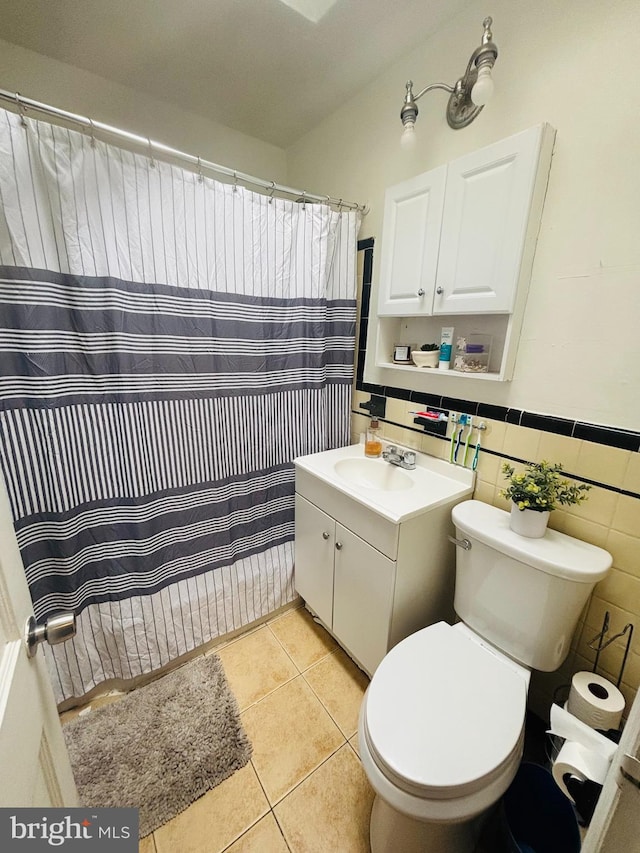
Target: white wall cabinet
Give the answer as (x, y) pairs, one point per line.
(410, 243)
(455, 238)
(472, 265)
(369, 580)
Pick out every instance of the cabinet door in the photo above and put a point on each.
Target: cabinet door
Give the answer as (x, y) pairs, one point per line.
(314, 555)
(484, 226)
(363, 596)
(410, 238)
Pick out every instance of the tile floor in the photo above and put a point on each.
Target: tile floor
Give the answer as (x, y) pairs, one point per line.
(304, 789)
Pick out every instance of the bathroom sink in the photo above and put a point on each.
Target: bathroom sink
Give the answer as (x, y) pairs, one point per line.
(392, 492)
(373, 474)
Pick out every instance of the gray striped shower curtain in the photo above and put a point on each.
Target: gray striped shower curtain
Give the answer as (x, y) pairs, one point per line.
(168, 345)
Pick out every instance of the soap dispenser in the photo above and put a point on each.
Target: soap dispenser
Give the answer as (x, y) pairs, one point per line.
(372, 443)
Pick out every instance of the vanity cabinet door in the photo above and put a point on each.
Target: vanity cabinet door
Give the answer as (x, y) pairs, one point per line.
(410, 238)
(314, 549)
(484, 226)
(363, 598)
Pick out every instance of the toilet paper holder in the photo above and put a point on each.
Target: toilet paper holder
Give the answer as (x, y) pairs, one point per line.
(602, 643)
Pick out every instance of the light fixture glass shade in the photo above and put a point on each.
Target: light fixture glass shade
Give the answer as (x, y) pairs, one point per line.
(483, 87)
(408, 138)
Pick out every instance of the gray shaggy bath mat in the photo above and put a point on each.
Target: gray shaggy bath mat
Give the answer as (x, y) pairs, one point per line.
(161, 746)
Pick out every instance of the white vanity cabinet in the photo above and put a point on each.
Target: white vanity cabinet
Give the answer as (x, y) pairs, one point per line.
(371, 574)
(345, 581)
(454, 238)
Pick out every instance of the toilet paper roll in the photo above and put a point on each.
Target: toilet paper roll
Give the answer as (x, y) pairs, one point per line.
(596, 701)
(575, 760)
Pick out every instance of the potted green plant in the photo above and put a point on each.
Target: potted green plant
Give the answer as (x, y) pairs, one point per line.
(535, 492)
(426, 356)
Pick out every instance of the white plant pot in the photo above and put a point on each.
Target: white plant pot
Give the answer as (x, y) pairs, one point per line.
(422, 358)
(528, 522)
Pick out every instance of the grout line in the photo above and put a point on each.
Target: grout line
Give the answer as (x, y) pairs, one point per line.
(311, 772)
(284, 649)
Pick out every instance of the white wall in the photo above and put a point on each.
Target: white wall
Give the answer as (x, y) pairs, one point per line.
(70, 88)
(572, 64)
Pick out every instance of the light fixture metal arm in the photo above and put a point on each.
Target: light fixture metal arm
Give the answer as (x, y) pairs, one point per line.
(429, 88)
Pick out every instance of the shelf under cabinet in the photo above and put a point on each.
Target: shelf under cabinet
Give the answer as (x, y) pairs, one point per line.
(434, 371)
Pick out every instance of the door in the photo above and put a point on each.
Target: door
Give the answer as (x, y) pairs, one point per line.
(615, 825)
(33, 757)
(485, 224)
(363, 598)
(410, 240)
(314, 553)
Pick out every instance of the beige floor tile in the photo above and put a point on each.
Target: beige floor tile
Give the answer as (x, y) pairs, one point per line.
(340, 686)
(214, 821)
(147, 845)
(291, 735)
(353, 743)
(255, 665)
(303, 639)
(329, 812)
(263, 837)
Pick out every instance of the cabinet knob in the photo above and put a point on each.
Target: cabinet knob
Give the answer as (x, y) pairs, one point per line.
(439, 289)
(325, 535)
(338, 546)
(421, 292)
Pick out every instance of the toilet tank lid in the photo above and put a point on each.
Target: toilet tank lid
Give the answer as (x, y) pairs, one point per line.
(556, 553)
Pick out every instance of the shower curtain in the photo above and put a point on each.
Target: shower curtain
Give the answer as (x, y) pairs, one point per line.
(169, 344)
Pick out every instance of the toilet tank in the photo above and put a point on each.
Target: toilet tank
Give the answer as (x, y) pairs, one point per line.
(522, 595)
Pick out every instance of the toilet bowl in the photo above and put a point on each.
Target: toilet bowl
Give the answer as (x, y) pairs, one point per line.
(441, 734)
(441, 728)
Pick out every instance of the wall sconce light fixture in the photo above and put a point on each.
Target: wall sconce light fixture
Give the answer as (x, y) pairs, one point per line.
(467, 97)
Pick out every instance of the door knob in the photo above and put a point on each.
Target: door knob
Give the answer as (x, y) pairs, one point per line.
(338, 546)
(325, 535)
(56, 629)
(421, 292)
(439, 289)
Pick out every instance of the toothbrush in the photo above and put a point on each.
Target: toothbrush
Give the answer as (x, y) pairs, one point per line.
(474, 461)
(462, 420)
(466, 444)
(453, 435)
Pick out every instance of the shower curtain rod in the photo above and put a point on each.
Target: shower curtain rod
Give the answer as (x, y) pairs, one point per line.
(22, 104)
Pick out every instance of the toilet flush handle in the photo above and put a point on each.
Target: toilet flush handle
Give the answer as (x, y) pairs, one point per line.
(462, 543)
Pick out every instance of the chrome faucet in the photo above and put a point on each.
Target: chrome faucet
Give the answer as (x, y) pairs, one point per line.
(400, 457)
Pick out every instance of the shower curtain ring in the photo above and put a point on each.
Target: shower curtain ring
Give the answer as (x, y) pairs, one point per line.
(92, 134)
(152, 162)
(200, 175)
(271, 191)
(340, 206)
(235, 182)
(304, 200)
(21, 110)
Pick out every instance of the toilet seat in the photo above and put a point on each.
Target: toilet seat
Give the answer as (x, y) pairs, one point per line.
(443, 716)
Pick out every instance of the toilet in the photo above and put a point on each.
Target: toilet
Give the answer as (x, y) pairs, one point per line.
(441, 727)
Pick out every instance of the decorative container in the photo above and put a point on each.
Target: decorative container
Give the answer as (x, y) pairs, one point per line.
(472, 354)
(402, 353)
(422, 358)
(528, 522)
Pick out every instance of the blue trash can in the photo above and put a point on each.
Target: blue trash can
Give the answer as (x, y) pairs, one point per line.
(538, 816)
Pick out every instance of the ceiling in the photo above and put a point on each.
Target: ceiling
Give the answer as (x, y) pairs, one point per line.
(258, 66)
